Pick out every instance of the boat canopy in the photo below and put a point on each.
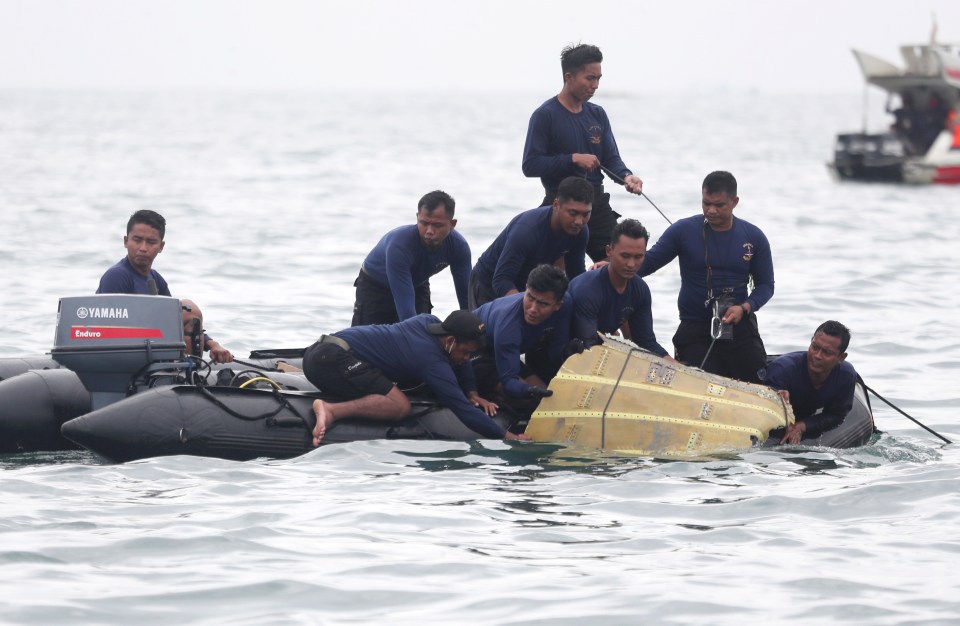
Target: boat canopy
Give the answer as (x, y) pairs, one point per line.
(933, 67)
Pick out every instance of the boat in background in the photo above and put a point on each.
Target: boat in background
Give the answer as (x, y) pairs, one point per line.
(923, 143)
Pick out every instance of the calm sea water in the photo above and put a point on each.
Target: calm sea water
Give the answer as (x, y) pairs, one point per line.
(272, 200)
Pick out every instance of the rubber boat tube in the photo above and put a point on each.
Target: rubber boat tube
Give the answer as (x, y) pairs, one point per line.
(237, 424)
(34, 404)
(15, 366)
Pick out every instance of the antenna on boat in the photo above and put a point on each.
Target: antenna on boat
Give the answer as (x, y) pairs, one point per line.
(620, 181)
(866, 97)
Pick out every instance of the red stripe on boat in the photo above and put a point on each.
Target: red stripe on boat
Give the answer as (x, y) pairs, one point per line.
(947, 175)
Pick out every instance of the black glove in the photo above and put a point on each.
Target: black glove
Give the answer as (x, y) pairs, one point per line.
(539, 392)
(574, 346)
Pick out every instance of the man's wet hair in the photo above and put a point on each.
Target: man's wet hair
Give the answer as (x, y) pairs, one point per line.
(576, 189)
(835, 329)
(150, 218)
(720, 182)
(546, 278)
(629, 228)
(432, 200)
(573, 58)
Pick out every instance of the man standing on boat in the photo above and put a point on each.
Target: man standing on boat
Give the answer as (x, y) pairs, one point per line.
(394, 280)
(555, 234)
(134, 274)
(614, 297)
(534, 324)
(570, 136)
(361, 366)
(720, 255)
(819, 383)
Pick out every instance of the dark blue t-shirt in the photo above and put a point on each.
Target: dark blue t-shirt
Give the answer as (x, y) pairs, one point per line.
(554, 135)
(525, 243)
(509, 336)
(406, 353)
(823, 408)
(598, 307)
(734, 256)
(123, 278)
(401, 263)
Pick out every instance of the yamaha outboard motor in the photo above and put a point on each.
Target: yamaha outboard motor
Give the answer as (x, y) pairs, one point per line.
(113, 340)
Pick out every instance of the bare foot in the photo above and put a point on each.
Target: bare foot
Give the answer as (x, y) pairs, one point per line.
(323, 420)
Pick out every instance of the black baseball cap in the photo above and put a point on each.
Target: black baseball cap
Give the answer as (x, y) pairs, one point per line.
(463, 325)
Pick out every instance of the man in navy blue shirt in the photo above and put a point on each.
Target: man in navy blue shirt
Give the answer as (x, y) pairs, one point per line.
(535, 323)
(135, 274)
(719, 256)
(614, 297)
(553, 234)
(361, 366)
(819, 383)
(394, 280)
(570, 136)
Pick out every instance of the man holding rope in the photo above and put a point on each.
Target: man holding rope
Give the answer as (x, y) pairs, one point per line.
(570, 136)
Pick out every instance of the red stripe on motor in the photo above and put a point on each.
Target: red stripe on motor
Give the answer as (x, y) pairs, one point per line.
(114, 332)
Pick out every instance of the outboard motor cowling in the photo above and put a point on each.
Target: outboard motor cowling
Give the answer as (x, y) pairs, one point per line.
(111, 339)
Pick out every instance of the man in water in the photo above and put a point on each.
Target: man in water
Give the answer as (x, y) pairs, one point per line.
(819, 383)
(535, 323)
(394, 280)
(614, 297)
(134, 274)
(570, 136)
(554, 234)
(719, 256)
(361, 365)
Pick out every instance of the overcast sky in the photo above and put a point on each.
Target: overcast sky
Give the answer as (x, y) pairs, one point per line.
(490, 45)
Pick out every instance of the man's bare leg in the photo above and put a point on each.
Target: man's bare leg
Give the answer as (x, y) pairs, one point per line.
(393, 406)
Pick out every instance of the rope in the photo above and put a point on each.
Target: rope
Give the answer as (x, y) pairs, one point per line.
(914, 420)
(620, 181)
(603, 416)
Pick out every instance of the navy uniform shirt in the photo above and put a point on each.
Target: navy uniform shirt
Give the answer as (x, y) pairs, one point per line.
(598, 307)
(734, 255)
(123, 278)
(510, 336)
(407, 354)
(401, 263)
(525, 243)
(554, 135)
(823, 408)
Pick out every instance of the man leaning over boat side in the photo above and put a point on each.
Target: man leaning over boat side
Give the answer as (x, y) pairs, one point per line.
(555, 234)
(819, 383)
(134, 274)
(361, 366)
(394, 280)
(614, 297)
(535, 324)
(720, 255)
(570, 136)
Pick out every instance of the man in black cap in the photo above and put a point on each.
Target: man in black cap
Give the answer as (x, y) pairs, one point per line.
(363, 365)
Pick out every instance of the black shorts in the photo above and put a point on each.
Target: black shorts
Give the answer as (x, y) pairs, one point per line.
(340, 373)
(479, 292)
(375, 305)
(741, 357)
